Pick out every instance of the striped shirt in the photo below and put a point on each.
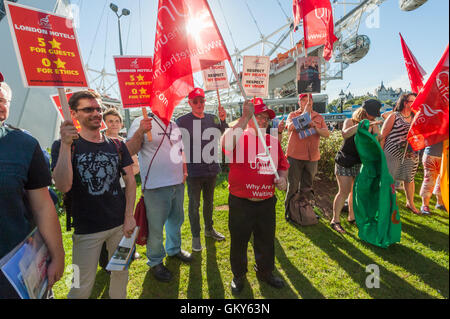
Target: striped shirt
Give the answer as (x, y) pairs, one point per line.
(397, 138)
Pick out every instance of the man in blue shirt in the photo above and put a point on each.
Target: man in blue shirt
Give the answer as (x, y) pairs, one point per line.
(201, 133)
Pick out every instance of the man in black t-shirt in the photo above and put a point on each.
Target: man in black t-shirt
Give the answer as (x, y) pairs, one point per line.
(89, 165)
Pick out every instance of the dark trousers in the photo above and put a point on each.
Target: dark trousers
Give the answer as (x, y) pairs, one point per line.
(197, 185)
(247, 218)
(300, 177)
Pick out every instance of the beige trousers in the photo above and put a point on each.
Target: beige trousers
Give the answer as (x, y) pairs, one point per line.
(85, 255)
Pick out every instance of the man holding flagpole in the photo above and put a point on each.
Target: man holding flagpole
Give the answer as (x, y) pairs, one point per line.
(252, 185)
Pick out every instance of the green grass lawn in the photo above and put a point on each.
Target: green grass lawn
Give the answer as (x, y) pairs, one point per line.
(316, 262)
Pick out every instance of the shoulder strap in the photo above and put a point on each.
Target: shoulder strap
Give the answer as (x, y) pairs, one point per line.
(118, 149)
(151, 162)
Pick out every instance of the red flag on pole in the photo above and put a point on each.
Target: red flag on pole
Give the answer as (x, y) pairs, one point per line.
(187, 41)
(430, 124)
(415, 71)
(318, 25)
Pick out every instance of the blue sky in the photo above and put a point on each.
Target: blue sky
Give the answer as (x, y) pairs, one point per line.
(425, 30)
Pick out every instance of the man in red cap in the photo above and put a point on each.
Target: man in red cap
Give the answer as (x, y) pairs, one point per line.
(303, 153)
(202, 162)
(252, 185)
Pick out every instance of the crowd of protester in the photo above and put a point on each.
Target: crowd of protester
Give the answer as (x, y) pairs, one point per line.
(96, 170)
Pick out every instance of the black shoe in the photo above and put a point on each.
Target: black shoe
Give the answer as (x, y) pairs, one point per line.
(237, 284)
(161, 273)
(271, 279)
(184, 256)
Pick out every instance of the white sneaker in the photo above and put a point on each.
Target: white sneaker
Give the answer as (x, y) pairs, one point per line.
(196, 244)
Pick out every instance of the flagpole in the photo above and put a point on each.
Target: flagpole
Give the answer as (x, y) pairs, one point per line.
(263, 142)
(149, 133)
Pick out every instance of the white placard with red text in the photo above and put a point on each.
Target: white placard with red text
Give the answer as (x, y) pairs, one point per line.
(255, 76)
(215, 77)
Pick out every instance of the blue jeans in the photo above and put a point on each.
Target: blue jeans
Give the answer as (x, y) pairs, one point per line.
(164, 207)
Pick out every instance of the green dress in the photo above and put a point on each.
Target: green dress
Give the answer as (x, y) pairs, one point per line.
(374, 199)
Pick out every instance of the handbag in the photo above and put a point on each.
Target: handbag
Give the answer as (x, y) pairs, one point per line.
(300, 211)
(140, 212)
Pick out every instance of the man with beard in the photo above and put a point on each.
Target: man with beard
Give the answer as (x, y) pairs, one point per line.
(89, 166)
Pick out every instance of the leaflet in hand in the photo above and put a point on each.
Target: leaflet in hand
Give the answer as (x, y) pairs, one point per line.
(301, 124)
(26, 267)
(122, 256)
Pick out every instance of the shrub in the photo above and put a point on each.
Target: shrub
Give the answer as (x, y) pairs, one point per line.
(328, 149)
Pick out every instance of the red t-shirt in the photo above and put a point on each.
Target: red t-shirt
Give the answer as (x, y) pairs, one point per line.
(251, 175)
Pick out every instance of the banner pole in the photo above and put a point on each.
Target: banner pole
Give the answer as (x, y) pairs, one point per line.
(64, 104)
(149, 133)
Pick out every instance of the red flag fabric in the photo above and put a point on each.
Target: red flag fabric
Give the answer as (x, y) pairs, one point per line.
(415, 71)
(318, 25)
(430, 124)
(187, 41)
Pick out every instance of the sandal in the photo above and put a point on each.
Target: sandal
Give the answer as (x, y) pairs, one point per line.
(414, 211)
(337, 227)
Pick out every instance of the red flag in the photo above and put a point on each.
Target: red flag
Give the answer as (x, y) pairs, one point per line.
(187, 41)
(415, 71)
(318, 25)
(430, 124)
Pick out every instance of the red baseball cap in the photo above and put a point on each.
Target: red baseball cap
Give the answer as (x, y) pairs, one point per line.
(301, 95)
(261, 107)
(196, 92)
(2, 79)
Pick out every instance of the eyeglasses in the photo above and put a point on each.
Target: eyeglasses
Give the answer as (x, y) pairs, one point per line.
(90, 109)
(195, 102)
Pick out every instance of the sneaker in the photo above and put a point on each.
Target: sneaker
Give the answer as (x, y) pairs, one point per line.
(237, 284)
(425, 210)
(196, 244)
(161, 273)
(183, 256)
(441, 207)
(214, 234)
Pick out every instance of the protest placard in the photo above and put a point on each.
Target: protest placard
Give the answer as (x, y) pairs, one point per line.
(255, 76)
(308, 74)
(46, 47)
(215, 77)
(134, 75)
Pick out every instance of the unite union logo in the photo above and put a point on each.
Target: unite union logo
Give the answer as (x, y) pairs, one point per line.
(45, 22)
(135, 64)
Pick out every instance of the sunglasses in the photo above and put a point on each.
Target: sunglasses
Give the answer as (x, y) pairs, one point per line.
(90, 109)
(195, 102)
